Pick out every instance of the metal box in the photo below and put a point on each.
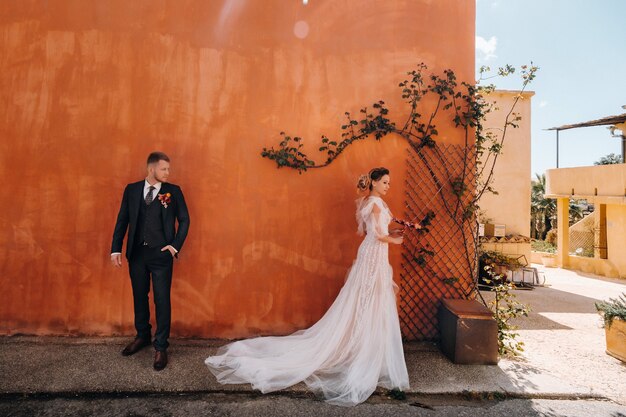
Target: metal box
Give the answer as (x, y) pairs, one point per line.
(495, 230)
(469, 333)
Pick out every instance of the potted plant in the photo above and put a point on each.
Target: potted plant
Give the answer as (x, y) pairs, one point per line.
(493, 267)
(548, 258)
(614, 314)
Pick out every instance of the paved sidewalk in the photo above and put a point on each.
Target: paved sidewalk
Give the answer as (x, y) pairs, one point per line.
(565, 358)
(563, 335)
(53, 365)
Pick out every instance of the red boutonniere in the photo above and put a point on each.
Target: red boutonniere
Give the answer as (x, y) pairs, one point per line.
(165, 199)
(407, 224)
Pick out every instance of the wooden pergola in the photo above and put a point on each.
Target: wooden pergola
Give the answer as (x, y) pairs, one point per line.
(605, 121)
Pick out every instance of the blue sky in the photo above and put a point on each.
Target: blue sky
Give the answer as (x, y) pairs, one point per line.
(580, 47)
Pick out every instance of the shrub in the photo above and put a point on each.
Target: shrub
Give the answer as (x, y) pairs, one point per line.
(614, 308)
(551, 237)
(542, 246)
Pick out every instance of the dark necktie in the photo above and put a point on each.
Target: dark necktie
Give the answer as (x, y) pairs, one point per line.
(150, 195)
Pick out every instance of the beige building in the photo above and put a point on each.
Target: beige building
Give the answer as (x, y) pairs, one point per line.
(511, 206)
(605, 187)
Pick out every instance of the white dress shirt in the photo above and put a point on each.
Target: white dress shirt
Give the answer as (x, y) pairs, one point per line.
(146, 188)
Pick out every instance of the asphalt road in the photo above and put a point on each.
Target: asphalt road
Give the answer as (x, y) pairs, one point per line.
(245, 405)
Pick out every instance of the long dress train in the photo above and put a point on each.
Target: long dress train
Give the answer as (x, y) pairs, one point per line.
(355, 347)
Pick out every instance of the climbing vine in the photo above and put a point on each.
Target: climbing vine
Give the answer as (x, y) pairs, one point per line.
(465, 105)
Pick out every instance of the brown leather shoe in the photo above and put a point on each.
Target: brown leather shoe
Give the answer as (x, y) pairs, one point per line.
(160, 360)
(135, 346)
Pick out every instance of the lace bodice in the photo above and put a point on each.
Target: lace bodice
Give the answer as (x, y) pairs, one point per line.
(374, 224)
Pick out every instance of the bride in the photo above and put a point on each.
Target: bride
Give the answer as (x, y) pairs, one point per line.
(356, 346)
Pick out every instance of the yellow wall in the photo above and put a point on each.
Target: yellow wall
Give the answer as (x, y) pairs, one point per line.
(596, 266)
(512, 175)
(607, 182)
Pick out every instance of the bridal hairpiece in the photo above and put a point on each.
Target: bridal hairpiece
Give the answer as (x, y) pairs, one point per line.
(364, 182)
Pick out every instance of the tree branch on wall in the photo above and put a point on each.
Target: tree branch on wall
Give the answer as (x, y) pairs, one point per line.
(462, 103)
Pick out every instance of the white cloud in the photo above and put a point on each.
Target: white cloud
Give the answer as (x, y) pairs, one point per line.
(543, 103)
(486, 49)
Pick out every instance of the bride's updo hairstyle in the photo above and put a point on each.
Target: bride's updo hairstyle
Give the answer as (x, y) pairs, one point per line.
(365, 181)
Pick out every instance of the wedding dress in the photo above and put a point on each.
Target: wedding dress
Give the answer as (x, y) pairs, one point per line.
(355, 347)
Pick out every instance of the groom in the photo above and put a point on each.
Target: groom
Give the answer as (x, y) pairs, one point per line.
(149, 211)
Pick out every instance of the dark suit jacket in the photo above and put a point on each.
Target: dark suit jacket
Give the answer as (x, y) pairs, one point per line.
(129, 211)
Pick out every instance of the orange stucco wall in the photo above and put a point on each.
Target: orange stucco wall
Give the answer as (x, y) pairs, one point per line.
(89, 88)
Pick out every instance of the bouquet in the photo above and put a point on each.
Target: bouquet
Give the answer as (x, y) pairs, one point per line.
(404, 223)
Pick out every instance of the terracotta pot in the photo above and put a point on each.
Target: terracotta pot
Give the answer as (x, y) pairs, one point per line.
(616, 339)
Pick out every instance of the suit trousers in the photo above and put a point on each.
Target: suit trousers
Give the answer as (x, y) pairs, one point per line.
(147, 263)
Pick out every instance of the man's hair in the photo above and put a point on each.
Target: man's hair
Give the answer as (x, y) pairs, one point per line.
(155, 157)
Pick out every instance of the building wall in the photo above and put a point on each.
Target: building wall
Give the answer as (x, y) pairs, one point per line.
(511, 206)
(602, 184)
(89, 88)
